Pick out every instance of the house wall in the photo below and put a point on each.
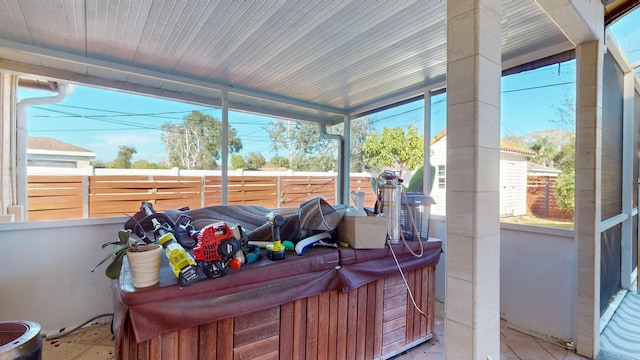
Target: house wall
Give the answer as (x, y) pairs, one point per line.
(513, 181)
(513, 185)
(537, 278)
(50, 279)
(536, 290)
(439, 195)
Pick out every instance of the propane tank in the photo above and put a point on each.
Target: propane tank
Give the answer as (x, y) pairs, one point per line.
(388, 205)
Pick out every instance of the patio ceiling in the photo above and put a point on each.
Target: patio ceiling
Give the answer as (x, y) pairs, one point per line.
(307, 60)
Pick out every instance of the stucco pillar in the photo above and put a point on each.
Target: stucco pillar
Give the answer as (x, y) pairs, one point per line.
(7, 125)
(589, 60)
(472, 308)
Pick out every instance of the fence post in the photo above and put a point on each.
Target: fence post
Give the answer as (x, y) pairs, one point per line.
(546, 197)
(85, 197)
(202, 188)
(278, 191)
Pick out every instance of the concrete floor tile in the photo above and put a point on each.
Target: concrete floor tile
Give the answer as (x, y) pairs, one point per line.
(98, 352)
(94, 334)
(109, 341)
(573, 356)
(528, 350)
(56, 350)
(508, 356)
(510, 334)
(557, 351)
(433, 346)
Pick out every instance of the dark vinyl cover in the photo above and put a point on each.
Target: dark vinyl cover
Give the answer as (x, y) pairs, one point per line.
(262, 285)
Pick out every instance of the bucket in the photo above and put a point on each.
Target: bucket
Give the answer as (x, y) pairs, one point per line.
(20, 340)
(415, 215)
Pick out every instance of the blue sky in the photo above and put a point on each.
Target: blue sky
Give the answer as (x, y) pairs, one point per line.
(627, 34)
(101, 120)
(528, 103)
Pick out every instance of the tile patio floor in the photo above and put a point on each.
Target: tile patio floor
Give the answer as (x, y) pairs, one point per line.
(94, 343)
(514, 345)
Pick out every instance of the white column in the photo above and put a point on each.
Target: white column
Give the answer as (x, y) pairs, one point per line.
(426, 173)
(225, 147)
(7, 124)
(589, 60)
(472, 307)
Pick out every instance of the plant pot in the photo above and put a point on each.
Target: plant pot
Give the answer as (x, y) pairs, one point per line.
(145, 265)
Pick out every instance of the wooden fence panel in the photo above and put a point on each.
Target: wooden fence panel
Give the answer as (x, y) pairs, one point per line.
(120, 195)
(541, 198)
(61, 197)
(212, 190)
(295, 190)
(242, 190)
(54, 197)
(253, 190)
(363, 183)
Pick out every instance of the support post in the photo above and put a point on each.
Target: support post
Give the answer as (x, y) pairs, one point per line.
(588, 194)
(225, 147)
(474, 69)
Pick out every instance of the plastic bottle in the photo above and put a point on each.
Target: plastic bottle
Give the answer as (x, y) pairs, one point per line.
(358, 200)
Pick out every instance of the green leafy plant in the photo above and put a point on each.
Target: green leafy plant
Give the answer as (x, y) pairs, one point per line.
(125, 243)
(565, 190)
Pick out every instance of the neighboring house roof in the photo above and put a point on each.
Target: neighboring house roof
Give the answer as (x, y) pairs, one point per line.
(508, 147)
(504, 146)
(541, 170)
(45, 150)
(438, 137)
(47, 143)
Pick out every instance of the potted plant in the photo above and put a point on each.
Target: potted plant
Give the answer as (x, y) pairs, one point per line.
(144, 259)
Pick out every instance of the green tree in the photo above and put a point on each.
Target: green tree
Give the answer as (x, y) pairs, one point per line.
(196, 142)
(306, 148)
(99, 164)
(308, 151)
(123, 160)
(254, 160)
(554, 149)
(360, 130)
(394, 148)
(279, 161)
(237, 162)
(565, 190)
(145, 164)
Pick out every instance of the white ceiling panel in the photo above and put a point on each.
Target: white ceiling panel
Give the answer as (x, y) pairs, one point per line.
(310, 60)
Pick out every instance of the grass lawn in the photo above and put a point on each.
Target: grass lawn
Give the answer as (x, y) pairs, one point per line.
(534, 220)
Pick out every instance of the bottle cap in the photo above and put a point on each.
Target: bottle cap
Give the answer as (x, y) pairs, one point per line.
(235, 264)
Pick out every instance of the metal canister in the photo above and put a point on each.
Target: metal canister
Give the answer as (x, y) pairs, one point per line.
(389, 197)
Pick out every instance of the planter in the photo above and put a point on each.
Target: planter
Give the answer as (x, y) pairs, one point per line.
(145, 265)
(20, 340)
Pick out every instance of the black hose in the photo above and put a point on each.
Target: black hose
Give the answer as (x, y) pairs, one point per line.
(65, 333)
